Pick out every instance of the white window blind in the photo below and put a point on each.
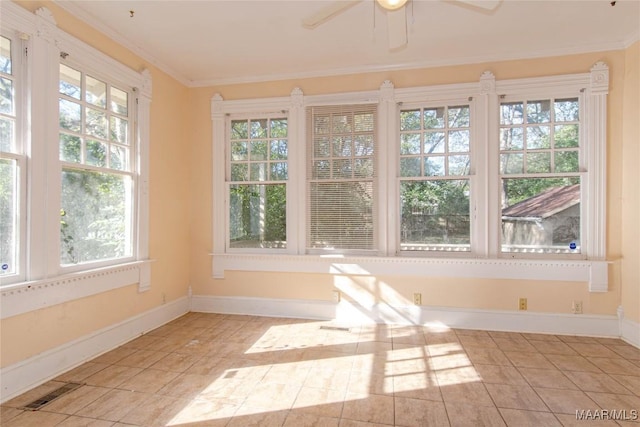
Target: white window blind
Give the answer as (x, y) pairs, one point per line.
(341, 175)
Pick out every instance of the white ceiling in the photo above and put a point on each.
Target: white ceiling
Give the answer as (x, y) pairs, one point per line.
(232, 41)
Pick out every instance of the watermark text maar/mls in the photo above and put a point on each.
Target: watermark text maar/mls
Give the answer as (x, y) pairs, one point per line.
(607, 414)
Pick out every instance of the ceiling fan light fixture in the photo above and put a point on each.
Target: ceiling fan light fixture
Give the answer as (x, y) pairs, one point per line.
(391, 4)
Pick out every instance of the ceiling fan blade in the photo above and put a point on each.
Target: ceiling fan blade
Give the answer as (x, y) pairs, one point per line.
(397, 27)
(481, 4)
(327, 12)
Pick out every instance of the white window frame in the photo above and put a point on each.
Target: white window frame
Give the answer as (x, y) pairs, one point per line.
(19, 46)
(484, 260)
(228, 183)
(46, 282)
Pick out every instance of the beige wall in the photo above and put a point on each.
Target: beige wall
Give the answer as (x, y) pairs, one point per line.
(630, 188)
(467, 293)
(32, 333)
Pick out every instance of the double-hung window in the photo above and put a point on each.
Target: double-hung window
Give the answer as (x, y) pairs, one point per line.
(435, 163)
(257, 183)
(12, 161)
(341, 178)
(443, 181)
(98, 179)
(540, 176)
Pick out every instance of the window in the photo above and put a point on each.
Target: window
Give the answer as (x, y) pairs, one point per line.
(540, 176)
(98, 177)
(74, 167)
(257, 175)
(12, 162)
(434, 165)
(341, 212)
(440, 181)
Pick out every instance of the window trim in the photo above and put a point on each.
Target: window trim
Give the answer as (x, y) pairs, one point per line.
(484, 260)
(46, 283)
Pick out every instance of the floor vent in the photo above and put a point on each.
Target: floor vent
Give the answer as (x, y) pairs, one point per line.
(39, 403)
(335, 328)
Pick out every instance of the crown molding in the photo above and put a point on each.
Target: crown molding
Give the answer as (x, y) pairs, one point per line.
(126, 42)
(79, 13)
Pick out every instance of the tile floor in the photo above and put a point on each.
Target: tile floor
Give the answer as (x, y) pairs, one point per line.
(220, 370)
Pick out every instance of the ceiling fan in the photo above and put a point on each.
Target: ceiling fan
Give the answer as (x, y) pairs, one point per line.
(395, 11)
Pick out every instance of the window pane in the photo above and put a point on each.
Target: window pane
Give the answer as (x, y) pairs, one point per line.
(70, 148)
(342, 169)
(566, 161)
(119, 101)
(459, 141)
(341, 123)
(279, 171)
(538, 137)
(541, 215)
(5, 55)
(321, 169)
(119, 130)
(95, 217)
(459, 165)
(511, 139)
(239, 151)
(363, 122)
(70, 82)
(70, 116)
(258, 172)
(342, 147)
(434, 166)
(259, 128)
(96, 123)
(278, 128)
(340, 215)
(434, 118)
(410, 166)
(511, 113)
(257, 216)
(566, 136)
(258, 150)
(538, 162)
(363, 145)
(566, 110)
(119, 159)
(239, 129)
(458, 117)
(6, 96)
(435, 215)
(538, 111)
(96, 92)
(8, 216)
(7, 135)
(410, 143)
(434, 142)
(278, 150)
(410, 120)
(321, 147)
(511, 163)
(239, 172)
(96, 153)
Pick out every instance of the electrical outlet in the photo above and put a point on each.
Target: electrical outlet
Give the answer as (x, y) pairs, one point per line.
(336, 296)
(417, 299)
(522, 304)
(164, 298)
(576, 307)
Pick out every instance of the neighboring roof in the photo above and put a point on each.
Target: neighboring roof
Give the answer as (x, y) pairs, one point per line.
(545, 204)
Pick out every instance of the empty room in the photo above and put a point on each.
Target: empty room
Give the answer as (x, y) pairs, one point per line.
(319, 213)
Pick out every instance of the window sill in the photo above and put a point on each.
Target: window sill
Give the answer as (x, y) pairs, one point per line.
(595, 273)
(24, 297)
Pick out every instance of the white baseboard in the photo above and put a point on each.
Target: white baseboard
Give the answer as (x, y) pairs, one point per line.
(630, 332)
(348, 312)
(26, 374)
